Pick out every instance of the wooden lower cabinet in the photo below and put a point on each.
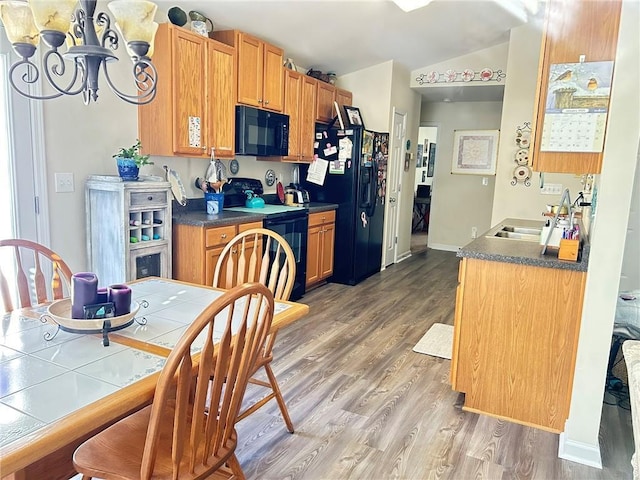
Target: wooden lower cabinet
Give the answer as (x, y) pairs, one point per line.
(515, 340)
(197, 250)
(320, 246)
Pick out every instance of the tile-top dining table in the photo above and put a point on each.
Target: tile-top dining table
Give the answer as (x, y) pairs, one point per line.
(58, 388)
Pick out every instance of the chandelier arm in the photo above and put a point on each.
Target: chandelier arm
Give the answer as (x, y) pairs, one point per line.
(59, 69)
(145, 82)
(27, 81)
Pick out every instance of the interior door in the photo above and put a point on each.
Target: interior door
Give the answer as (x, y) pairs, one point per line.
(393, 187)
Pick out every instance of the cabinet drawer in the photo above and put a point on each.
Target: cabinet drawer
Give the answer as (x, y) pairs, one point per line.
(243, 227)
(219, 235)
(322, 217)
(148, 199)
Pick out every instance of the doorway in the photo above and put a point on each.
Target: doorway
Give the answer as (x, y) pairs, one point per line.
(423, 187)
(395, 164)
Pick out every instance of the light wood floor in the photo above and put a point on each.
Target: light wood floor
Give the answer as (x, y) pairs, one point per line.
(365, 406)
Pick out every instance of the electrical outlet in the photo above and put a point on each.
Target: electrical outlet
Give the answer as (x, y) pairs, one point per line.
(485, 181)
(474, 232)
(551, 189)
(64, 182)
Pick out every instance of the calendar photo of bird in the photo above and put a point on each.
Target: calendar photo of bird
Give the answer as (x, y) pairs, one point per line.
(592, 84)
(565, 76)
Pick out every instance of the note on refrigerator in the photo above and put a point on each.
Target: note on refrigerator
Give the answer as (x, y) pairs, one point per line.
(317, 171)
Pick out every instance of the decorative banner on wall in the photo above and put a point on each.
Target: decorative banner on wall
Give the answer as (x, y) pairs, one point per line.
(475, 151)
(576, 109)
(467, 75)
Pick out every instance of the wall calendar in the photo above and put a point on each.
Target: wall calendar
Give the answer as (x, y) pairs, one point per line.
(576, 108)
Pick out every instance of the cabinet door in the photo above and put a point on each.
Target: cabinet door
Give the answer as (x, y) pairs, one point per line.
(308, 117)
(572, 29)
(221, 99)
(292, 107)
(273, 88)
(343, 97)
(211, 260)
(326, 257)
(313, 255)
(326, 96)
(189, 93)
(250, 70)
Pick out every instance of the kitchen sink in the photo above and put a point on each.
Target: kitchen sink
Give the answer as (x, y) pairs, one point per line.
(527, 234)
(525, 230)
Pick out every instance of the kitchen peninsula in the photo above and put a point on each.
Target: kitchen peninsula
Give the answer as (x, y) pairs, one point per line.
(517, 321)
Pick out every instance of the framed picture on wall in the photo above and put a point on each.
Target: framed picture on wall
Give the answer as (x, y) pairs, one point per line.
(431, 165)
(475, 152)
(353, 115)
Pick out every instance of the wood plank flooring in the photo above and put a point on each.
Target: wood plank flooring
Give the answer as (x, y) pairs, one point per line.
(365, 406)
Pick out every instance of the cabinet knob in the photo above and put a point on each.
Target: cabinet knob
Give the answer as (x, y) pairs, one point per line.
(204, 149)
(223, 236)
(259, 100)
(266, 102)
(234, 250)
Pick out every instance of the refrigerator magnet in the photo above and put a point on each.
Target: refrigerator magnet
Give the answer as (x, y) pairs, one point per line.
(318, 136)
(332, 150)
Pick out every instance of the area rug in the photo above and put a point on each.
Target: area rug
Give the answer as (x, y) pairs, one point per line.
(437, 342)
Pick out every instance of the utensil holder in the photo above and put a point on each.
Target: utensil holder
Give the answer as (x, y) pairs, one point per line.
(214, 203)
(568, 250)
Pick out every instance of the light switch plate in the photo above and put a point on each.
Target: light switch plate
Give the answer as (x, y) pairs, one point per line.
(64, 182)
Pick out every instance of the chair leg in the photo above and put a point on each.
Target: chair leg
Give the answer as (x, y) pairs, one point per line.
(279, 399)
(235, 467)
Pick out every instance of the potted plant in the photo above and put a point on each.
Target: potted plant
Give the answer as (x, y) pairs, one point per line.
(130, 160)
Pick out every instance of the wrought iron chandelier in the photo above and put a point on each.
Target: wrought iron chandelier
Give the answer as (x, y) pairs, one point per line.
(56, 22)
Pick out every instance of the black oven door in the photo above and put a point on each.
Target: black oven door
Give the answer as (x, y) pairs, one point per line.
(293, 228)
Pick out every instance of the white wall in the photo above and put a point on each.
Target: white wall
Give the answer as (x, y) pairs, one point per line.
(376, 90)
(520, 201)
(458, 202)
(621, 153)
(426, 136)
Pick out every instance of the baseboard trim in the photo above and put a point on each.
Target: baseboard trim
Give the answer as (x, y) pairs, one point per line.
(442, 246)
(579, 452)
(403, 256)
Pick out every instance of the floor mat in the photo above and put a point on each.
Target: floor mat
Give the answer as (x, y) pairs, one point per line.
(437, 342)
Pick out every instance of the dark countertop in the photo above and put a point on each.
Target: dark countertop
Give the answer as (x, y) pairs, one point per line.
(194, 214)
(489, 247)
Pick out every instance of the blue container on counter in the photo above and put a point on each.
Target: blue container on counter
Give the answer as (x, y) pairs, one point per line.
(213, 203)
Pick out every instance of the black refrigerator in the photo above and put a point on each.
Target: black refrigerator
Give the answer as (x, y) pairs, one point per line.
(354, 162)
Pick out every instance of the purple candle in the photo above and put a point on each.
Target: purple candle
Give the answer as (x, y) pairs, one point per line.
(84, 291)
(103, 295)
(120, 295)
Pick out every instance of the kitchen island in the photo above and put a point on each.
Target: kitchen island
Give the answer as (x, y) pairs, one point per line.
(516, 327)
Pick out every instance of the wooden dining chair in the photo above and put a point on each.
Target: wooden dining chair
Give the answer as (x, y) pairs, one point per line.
(260, 255)
(188, 431)
(34, 264)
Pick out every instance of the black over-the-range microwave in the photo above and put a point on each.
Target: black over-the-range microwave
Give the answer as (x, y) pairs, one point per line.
(261, 133)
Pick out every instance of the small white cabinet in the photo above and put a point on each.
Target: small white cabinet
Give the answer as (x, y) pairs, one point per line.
(128, 228)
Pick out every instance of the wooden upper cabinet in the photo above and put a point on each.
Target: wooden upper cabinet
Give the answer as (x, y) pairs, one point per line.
(300, 103)
(343, 97)
(221, 98)
(189, 93)
(260, 76)
(573, 28)
(326, 97)
(308, 124)
(184, 119)
(273, 80)
(292, 107)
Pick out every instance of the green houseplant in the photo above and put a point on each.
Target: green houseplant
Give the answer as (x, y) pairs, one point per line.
(129, 161)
